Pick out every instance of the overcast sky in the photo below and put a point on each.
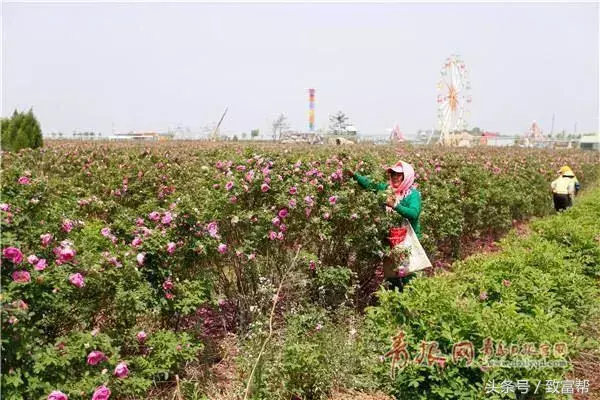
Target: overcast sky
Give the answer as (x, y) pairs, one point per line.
(154, 66)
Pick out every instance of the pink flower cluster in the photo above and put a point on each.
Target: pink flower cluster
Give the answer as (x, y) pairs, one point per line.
(13, 255)
(96, 357)
(101, 393)
(77, 280)
(121, 370)
(106, 232)
(21, 276)
(57, 395)
(64, 253)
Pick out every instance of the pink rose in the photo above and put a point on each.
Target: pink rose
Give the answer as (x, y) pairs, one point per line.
(283, 213)
(506, 282)
(213, 229)
(141, 336)
(140, 258)
(57, 395)
(483, 296)
(171, 247)
(276, 221)
(13, 254)
(24, 180)
(154, 216)
(272, 235)
(139, 222)
(77, 280)
(136, 242)
(326, 215)
(293, 190)
(46, 238)
(282, 228)
(222, 248)
(32, 259)
(168, 284)
(309, 201)
(113, 260)
(264, 187)
(353, 216)
(67, 225)
(169, 296)
(41, 265)
(4, 207)
(121, 370)
(101, 393)
(292, 203)
(229, 186)
(167, 218)
(280, 236)
(21, 276)
(332, 199)
(66, 254)
(105, 232)
(95, 357)
(20, 304)
(312, 265)
(320, 188)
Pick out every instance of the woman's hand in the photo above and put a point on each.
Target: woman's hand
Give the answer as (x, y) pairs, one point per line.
(348, 173)
(391, 201)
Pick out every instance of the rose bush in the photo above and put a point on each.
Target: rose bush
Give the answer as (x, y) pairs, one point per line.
(539, 291)
(126, 244)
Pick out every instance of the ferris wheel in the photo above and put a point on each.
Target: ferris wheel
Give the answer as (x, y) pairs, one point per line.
(453, 97)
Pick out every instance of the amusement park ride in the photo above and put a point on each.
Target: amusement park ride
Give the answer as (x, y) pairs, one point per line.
(534, 137)
(396, 135)
(453, 99)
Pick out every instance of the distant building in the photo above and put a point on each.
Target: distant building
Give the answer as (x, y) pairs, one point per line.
(590, 142)
(146, 136)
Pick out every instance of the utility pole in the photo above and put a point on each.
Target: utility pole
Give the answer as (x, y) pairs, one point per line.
(552, 129)
(575, 130)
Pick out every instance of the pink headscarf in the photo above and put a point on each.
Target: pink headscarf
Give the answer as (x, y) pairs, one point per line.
(404, 188)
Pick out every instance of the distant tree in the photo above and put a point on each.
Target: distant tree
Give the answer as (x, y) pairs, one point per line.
(280, 124)
(235, 138)
(244, 134)
(254, 133)
(338, 123)
(21, 130)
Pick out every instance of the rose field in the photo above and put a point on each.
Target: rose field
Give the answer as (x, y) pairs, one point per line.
(190, 270)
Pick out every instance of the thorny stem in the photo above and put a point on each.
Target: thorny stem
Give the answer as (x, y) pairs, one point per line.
(275, 300)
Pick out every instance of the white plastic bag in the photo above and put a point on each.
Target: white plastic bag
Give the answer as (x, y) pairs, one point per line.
(418, 260)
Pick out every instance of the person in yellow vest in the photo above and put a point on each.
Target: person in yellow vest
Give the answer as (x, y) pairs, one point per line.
(563, 189)
(568, 172)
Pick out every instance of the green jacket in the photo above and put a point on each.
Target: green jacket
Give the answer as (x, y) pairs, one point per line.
(409, 207)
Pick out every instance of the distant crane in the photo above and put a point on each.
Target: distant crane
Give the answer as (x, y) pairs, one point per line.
(215, 134)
